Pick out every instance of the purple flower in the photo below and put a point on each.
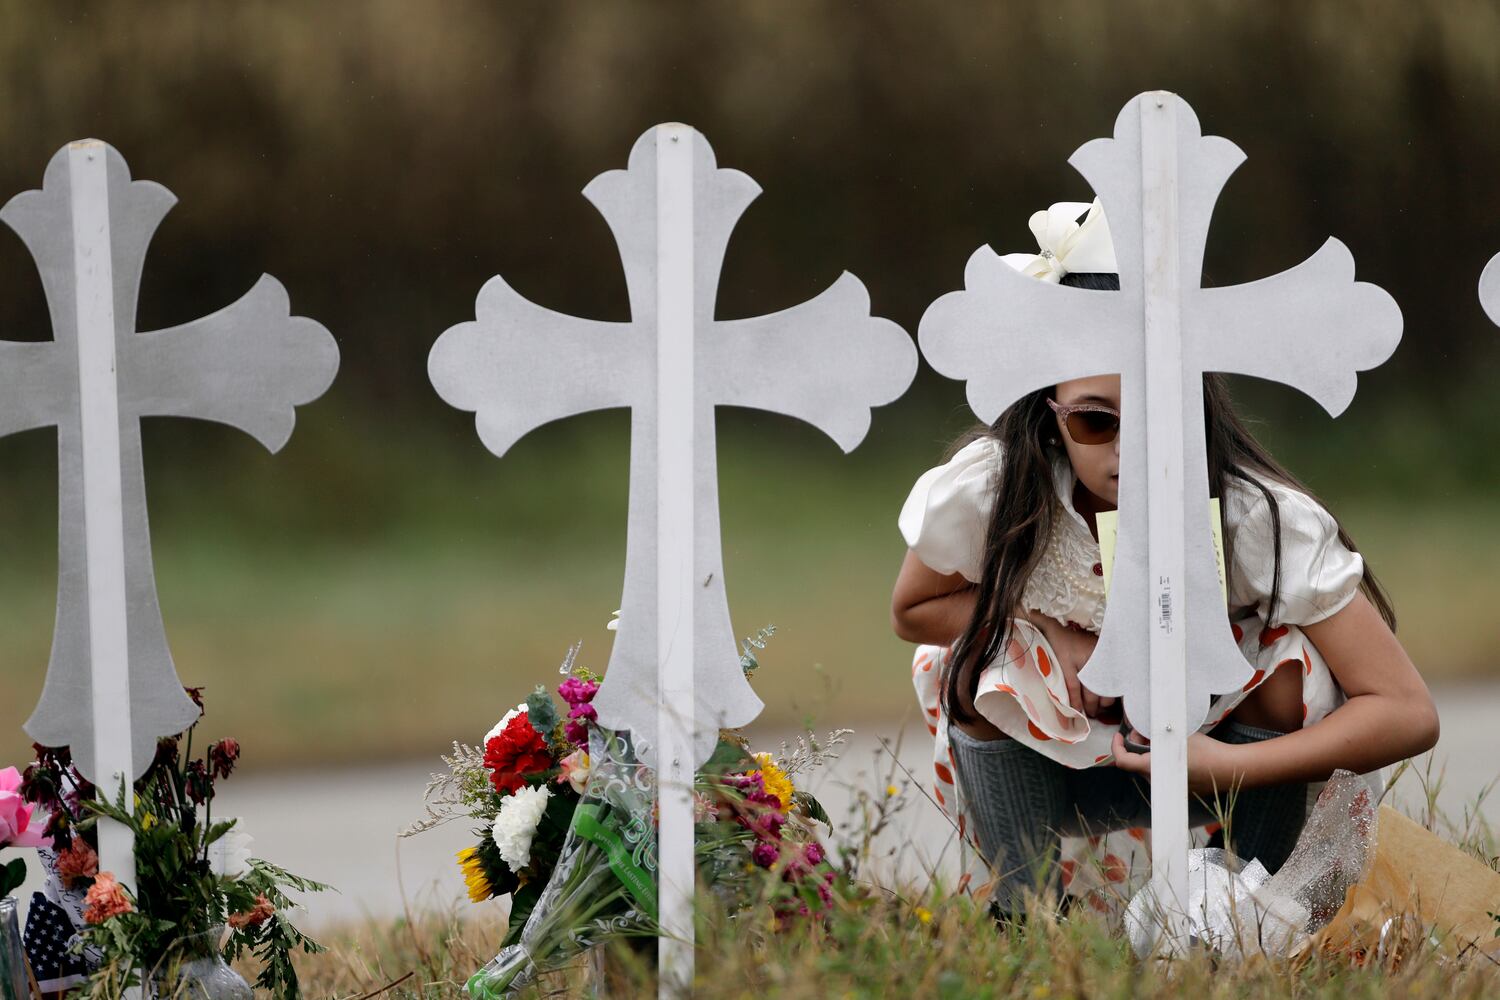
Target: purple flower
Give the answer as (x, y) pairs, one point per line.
(814, 853)
(576, 691)
(765, 853)
(762, 798)
(579, 716)
(767, 824)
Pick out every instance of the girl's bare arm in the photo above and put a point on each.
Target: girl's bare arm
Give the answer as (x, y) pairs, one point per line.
(1389, 715)
(928, 606)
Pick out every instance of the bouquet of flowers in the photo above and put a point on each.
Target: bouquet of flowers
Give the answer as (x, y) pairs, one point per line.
(194, 876)
(521, 785)
(567, 827)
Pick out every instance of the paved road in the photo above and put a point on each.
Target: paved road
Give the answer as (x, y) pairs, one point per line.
(340, 826)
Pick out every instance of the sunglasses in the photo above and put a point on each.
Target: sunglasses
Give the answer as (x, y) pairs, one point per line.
(1088, 423)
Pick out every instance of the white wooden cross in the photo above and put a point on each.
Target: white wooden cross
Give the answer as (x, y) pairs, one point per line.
(1165, 647)
(674, 676)
(111, 688)
(1489, 289)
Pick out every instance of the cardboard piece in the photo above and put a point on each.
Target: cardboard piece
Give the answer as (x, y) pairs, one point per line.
(1415, 873)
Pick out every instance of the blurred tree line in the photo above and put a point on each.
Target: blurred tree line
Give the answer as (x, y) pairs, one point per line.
(384, 158)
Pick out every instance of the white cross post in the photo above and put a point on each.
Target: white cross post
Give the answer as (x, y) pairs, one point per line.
(675, 446)
(674, 677)
(111, 689)
(1165, 647)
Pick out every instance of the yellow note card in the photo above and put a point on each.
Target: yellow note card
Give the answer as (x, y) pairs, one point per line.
(1109, 528)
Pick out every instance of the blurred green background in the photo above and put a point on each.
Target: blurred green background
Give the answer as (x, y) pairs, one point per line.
(385, 585)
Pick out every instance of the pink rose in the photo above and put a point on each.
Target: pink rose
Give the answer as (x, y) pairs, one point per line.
(17, 828)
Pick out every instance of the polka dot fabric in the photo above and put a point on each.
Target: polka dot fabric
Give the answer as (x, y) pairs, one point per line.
(1024, 695)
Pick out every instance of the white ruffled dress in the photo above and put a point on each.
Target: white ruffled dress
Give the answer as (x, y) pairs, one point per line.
(944, 522)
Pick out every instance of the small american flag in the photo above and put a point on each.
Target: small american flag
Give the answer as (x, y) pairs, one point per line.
(49, 932)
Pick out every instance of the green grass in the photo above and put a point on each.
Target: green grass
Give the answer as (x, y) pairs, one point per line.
(344, 621)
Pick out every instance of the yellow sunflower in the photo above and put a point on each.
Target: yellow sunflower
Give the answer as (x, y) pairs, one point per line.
(474, 877)
(775, 780)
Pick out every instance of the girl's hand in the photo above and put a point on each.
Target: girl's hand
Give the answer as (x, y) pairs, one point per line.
(1212, 765)
(1073, 647)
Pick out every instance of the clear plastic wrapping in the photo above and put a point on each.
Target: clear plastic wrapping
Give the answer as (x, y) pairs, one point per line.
(1238, 909)
(604, 883)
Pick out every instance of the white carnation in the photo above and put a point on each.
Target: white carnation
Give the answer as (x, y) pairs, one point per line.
(515, 826)
(500, 726)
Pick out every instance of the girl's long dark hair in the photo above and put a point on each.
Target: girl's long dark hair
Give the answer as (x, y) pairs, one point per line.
(1026, 505)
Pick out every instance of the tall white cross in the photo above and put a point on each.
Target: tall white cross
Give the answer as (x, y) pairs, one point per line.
(111, 689)
(674, 677)
(1166, 646)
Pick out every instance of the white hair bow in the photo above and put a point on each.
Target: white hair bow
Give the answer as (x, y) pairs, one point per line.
(1067, 246)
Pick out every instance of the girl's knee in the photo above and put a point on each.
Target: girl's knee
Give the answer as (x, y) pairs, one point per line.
(980, 729)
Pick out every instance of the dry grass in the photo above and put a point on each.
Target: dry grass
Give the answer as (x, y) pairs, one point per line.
(426, 956)
(923, 946)
(926, 942)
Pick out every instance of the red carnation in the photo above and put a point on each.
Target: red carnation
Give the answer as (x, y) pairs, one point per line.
(519, 750)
